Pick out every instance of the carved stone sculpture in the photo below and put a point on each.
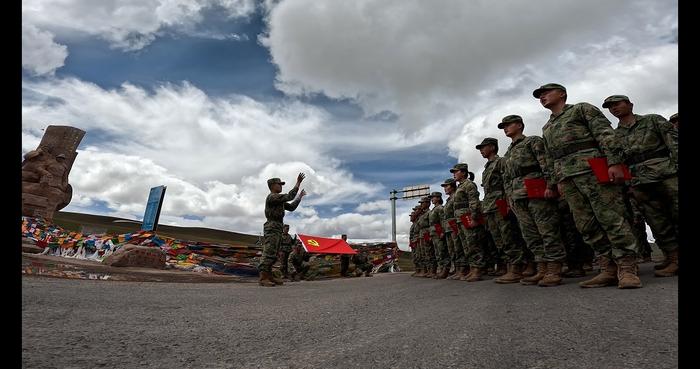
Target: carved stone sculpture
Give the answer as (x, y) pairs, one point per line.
(45, 187)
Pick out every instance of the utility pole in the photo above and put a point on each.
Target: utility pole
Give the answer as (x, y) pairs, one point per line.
(393, 214)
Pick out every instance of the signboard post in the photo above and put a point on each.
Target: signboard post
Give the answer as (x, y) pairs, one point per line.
(153, 206)
(409, 192)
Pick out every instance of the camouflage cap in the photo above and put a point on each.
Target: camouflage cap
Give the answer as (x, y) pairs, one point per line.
(272, 181)
(510, 119)
(425, 199)
(416, 207)
(449, 182)
(614, 98)
(673, 118)
(547, 87)
(436, 194)
(460, 166)
(487, 141)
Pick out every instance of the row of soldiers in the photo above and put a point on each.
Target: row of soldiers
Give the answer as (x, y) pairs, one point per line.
(579, 189)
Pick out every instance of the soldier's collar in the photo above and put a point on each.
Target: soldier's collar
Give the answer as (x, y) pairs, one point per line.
(566, 107)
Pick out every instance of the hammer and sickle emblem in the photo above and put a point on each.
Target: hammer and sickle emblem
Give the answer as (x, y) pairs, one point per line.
(313, 243)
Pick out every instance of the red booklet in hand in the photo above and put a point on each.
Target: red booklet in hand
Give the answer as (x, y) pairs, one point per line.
(600, 169)
(502, 206)
(453, 225)
(535, 187)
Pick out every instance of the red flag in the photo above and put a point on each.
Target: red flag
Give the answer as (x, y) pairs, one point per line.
(600, 169)
(321, 245)
(438, 229)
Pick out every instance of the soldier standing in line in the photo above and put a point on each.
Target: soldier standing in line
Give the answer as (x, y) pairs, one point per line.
(420, 246)
(275, 205)
(437, 235)
(451, 225)
(427, 247)
(526, 178)
(573, 135)
(285, 249)
(412, 242)
(651, 151)
(499, 224)
(471, 230)
(638, 225)
(344, 260)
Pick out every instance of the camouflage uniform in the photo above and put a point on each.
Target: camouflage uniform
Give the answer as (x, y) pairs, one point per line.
(538, 217)
(651, 151)
(285, 249)
(299, 260)
(466, 201)
(436, 216)
(502, 229)
(275, 205)
(577, 133)
(577, 251)
(361, 261)
(427, 248)
(453, 241)
(413, 241)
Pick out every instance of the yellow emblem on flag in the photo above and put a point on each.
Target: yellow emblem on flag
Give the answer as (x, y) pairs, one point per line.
(313, 243)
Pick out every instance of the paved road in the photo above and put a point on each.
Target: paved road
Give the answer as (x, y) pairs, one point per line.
(389, 321)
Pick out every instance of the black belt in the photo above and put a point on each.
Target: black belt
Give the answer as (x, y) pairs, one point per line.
(522, 171)
(572, 148)
(636, 159)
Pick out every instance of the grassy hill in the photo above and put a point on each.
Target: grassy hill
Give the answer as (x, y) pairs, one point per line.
(98, 223)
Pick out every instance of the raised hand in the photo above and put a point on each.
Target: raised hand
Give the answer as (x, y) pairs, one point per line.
(301, 177)
(302, 194)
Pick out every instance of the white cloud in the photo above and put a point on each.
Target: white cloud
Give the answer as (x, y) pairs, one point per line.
(214, 154)
(126, 24)
(374, 206)
(40, 54)
(432, 64)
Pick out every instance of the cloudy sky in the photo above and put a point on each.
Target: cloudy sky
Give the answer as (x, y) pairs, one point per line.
(212, 97)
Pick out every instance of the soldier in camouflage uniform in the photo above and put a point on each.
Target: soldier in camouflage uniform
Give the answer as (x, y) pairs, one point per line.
(362, 264)
(651, 151)
(503, 231)
(427, 247)
(285, 249)
(472, 234)
(452, 228)
(574, 134)
(413, 242)
(437, 235)
(526, 161)
(674, 120)
(636, 220)
(419, 243)
(275, 205)
(299, 259)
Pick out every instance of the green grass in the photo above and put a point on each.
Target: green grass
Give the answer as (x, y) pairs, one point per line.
(78, 222)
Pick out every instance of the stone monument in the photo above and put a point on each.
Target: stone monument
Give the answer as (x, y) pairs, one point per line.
(45, 187)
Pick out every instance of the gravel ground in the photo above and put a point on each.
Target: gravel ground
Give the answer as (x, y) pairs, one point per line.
(389, 321)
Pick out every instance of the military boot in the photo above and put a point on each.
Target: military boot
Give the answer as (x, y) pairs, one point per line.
(529, 269)
(575, 270)
(419, 272)
(265, 280)
(501, 269)
(468, 273)
(438, 271)
(457, 273)
(553, 275)
(671, 268)
(514, 274)
(664, 263)
(606, 277)
(431, 272)
(444, 273)
(475, 275)
(627, 273)
(534, 279)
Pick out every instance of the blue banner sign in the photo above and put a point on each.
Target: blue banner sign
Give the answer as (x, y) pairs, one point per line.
(155, 202)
